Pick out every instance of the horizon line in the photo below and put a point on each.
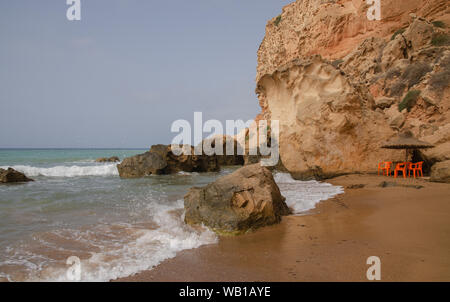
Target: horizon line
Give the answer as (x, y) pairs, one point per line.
(71, 148)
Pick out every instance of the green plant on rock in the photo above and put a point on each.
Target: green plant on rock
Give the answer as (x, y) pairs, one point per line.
(398, 32)
(277, 20)
(440, 39)
(439, 24)
(440, 80)
(409, 100)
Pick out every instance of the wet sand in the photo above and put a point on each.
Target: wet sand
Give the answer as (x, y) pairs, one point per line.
(406, 227)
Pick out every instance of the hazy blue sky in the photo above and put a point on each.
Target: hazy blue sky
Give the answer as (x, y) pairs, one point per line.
(127, 70)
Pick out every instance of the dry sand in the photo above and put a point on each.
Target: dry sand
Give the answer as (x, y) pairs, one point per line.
(407, 227)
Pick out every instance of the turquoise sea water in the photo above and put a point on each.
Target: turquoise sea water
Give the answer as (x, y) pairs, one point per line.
(117, 227)
(46, 157)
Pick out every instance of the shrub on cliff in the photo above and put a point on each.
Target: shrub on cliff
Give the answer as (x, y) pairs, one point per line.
(397, 89)
(441, 80)
(409, 100)
(277, 20)
(398, 32)
(415, 72)
(439, 24)
(440, 39)
(393, 72)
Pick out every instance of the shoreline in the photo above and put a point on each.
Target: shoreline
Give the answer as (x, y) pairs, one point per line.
(407, 227)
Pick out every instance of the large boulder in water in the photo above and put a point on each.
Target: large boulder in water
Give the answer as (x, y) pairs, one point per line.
(11, 175)
(246, 199)
(440, 172)
(224, 159)
(142, 165)
(161, 160)
(186, 163)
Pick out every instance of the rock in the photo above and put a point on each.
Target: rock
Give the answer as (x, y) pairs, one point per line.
(385, 184)
(439, 153)
(394, 51)
(111, 159)
(333, 29)
(419, 34)
(327, 124)
(355, 186)
(335, 81)
(161, 160)
(247, 199)
(186, 163)
(142, 165)
(441, 139)
(384, 102)
(440, 172)
(397, 121)
(224, 159)
(11, 175)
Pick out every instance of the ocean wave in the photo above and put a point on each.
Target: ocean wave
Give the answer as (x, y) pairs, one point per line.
(303, 196)
(68, 171)
(141, 249)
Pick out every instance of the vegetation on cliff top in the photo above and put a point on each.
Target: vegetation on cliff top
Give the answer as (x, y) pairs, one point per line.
(409, 100)
(277, 20)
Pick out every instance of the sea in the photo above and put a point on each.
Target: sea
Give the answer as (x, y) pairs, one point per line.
(115, 227)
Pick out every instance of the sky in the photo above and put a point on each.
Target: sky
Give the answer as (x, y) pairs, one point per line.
(123, 74)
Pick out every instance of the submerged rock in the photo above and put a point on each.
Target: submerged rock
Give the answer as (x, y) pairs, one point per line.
(11, 175)
(111, 159)
(247, 199)
(161, 160)
(440, 172)
(386, 184)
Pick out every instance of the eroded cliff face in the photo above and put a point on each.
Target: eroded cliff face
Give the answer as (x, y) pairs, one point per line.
(334, 28)
(341, 85)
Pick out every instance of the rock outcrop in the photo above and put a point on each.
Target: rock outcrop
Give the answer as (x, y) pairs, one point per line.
(161, 160)
(246, 199)
(10, 176)
(334, 28)
(112, 159)
(223, 159)
(440, 172)
(342, 85)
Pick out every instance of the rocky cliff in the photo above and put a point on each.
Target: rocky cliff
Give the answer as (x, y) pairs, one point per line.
(341, 85)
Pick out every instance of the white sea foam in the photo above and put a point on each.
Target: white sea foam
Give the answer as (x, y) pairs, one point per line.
(302, 196)
(150, 248)
(68, 171)
(122, 249)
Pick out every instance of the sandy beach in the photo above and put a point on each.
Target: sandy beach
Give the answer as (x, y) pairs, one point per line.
(406, 223)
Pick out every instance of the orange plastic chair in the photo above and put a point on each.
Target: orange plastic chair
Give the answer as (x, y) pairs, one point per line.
(401, 167)
(380, 167)
(417, 167)
(385, 167)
